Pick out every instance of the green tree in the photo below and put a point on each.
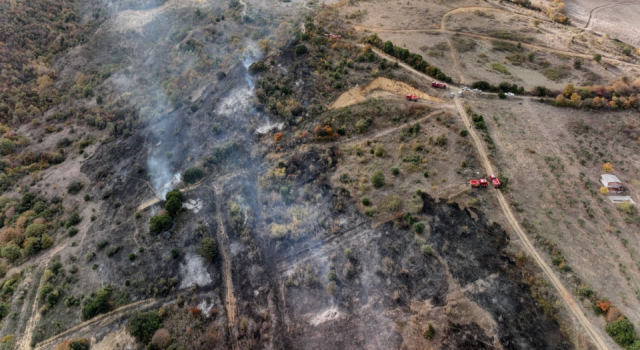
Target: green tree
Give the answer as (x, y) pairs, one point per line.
(172, 206)
(79, 344)
(143, 325)
(160, 223)
(388, 47)
(100, 304)
(208, 248)
(6, 147)
(377, 179)
(11, 251)
(32, 246)
(301, 50)
(419, 226)
(621, 331)
(192, 175)
(35, 230)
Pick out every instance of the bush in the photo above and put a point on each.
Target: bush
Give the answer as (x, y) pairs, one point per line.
(426, 249)
(173, 205)
(161, 338)
(502, 95)
(366, 201)
(621, 331)
(192, 175)
(160, 223)
(175, 253)
(35, 230)
(100, 304)
(132, 257)
(11, 252)
(72, 231)
(79, 344)
(395, 171)
(208, 248)
(143, 325)
(441, 141)
(301, 50)
(464, 132)
(429, 333)
(75, 187)
(419, 227)
(87, 197)
(113, 250)
(6, 147)
(73, 219)
(597, 57)
(257, 67)
(426, 174)
(377, 179)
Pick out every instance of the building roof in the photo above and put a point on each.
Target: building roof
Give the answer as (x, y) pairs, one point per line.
(610, 180)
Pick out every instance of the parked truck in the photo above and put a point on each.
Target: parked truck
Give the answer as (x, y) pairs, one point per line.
(437, 85)
(413, 98)
(494, 181)
(478, 183)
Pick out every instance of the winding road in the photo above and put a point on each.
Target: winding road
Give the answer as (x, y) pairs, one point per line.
(596, 9)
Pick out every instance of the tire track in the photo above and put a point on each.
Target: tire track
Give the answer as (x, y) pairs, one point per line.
(596, 9)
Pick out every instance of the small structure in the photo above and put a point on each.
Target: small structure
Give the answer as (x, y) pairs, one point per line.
(611, 183)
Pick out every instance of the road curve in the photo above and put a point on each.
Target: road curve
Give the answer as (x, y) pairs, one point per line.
(596, 9)
(506, 209)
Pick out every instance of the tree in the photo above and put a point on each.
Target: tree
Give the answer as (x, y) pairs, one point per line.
(11, 252)
(607, 167)
(208, 248)
(419, 227)
(577, 63)
(160, 223)
(6, 147)
(79, 344)
(597, 57)
(621, 331)
(173, 205)
(101, 304)
(576, 100)
(35, 230)
(429, 333)
(301, 50)
(192, 175)
(388, 47)
(627, 51)
(377, 179)
(143, 325)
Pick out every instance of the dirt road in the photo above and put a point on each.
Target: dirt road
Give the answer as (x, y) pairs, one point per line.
(225, 250)
(596, 9)
(526, 243)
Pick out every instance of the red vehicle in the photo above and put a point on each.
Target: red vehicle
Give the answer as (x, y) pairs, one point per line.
(437, 85)
(494, 181)
(333, 36)
(478, 183)
(413, 98)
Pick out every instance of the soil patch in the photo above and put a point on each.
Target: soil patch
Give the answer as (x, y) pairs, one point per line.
(361, 93)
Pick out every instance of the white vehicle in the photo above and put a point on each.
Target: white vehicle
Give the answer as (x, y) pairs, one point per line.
(459, 93)
(452, 95)
(510, 94)
(477, 90)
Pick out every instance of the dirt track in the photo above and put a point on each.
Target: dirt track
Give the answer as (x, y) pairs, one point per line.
(596, 9)
(562, 291)
(506, 209)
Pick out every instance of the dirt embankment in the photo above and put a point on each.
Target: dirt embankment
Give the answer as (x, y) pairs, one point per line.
(361, 93)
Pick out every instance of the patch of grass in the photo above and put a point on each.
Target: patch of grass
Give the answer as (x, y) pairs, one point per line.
(556, 74)
(392, 203)
(464, 45)
(503, 46)
(500, 68)
(503, 34)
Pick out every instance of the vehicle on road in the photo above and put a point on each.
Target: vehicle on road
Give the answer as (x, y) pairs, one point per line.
(494, 181)
(437, 85)
(479, 183)
(413, 98)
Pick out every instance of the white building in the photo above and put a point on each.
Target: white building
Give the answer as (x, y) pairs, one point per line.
(611, 182)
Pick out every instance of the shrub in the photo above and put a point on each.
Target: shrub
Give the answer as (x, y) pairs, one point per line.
(464, 132)
(332, 276)
(113, 250)
(143, 325)
(395, 171)
(192, 175)
(380, 151)
(11, 252)
(137, 215)
(441, 141)
(161, 338)
(100, 304)
(500, 68)
(377, 179)
(87, 197)
(208, 248)
(75, 187)
(426, 249)
(160, 223)
(419, 227)
(79, 344)
(577, 63)
(132, 257)
(257, 67)
(301, 50)
(597, 57)
(426, 174)
(429, 333)
(72, 231)
(6, 146)
(102, 244)
(628, 208)
(35, 230)
(366, 201)
(175, 253)
(621, 331)
(73, 219)
(502, 95)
